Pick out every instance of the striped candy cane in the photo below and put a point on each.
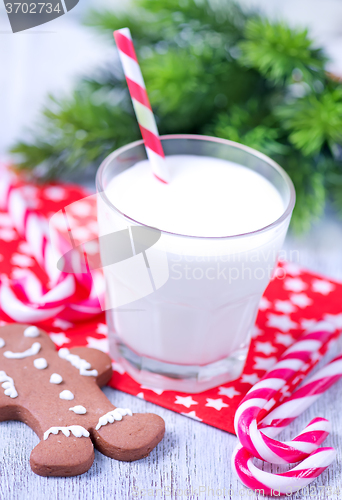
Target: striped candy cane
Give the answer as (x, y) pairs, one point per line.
(263, 397)
(300, 400)
(24, 299)
(141, 103)
(267, 483)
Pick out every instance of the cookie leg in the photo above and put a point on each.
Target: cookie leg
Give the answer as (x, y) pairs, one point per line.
(130, 439)
(62, 456)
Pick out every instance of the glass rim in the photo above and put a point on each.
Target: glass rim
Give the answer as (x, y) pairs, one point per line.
(287, 211)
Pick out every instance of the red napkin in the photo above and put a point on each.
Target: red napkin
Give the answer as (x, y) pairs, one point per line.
(291, 304)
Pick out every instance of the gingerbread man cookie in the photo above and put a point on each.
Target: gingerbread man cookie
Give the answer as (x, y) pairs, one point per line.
(58, 395)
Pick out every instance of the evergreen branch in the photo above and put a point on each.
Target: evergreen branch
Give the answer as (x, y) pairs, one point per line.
(280, 53)
(210, 68)
(314, 120)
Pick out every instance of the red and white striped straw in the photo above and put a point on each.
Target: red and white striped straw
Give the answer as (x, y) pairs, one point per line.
(141, 104)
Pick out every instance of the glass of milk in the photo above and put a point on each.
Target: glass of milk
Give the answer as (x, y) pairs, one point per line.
(186, 263)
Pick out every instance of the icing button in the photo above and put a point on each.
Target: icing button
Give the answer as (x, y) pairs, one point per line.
(56, 378)
(31, 331)
(40, 363)
(68, 395)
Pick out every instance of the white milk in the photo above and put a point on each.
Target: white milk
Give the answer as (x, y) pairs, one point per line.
(200, 314)
(207, 197)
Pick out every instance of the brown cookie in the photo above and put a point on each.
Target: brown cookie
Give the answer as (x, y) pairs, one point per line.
(58, 395)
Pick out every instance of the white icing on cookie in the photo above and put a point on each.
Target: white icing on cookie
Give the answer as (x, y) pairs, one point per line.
(77, 362)
(109, 417)
(76, 430)
(40, 363)
(2, 343)
(32, 351)
(8, 385)
(56, 378)
(80, 410)
(66, 395)
(31, 331)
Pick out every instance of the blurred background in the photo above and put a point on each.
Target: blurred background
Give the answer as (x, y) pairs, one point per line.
(246, 71)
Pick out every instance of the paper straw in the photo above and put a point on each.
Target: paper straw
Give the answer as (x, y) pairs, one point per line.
(141, 104)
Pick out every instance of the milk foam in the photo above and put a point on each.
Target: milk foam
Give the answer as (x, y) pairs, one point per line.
(206, 197)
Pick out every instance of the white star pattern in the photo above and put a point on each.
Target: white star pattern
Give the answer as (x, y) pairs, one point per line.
(265, 347)
(81, 208)
(264, 304)
(54, 193)
(300, 299)
(284, 306)
(8, 234)
(283, 323)
(192, 414)
(153, 389)
(29, 191)
(322, 286)
(230, 392)
(118, 368)
(284, 339)
(292, 268)
(264, 363)
(185, 401)
(102, 328)
(314, 326)
(59, 338)
(334, 319)
(140, 395)
(60, 221)
(250, 379)
(295, 285)
(81, 233)
(256, 331)
(307, 324)
(218, 404)
(62, 324)
(100, 344)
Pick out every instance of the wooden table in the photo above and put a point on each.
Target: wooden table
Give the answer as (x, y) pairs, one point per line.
(193, 460)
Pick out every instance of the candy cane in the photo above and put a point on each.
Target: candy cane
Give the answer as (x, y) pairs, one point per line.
(300, 400)
(70, 297)
(141, 103)
(263, 397)
(266, 483)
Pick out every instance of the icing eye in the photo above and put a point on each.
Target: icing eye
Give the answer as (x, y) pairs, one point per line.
(31, 331)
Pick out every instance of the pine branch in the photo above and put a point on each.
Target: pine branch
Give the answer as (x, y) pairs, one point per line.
(79, 130)
(314, 120)
(210, 68)
(280, 53)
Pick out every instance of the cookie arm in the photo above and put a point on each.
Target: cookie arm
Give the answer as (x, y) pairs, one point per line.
(99, 361)
(130, 439)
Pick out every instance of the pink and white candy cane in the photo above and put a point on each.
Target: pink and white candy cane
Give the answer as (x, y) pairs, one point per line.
(25, 299)
(302, 398)
(280, 484)
(263, 395)
(141, 103)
